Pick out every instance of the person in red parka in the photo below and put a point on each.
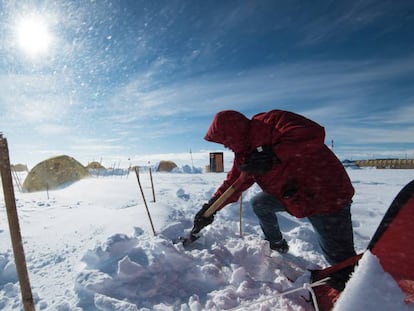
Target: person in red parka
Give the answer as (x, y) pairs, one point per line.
(285, 154)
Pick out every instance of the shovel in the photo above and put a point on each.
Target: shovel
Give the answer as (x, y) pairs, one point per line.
(195, 232)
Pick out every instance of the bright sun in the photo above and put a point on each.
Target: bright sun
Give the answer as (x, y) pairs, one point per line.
(33, 36)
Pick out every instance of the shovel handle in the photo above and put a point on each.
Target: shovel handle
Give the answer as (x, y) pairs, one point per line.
(217, 203)
(226, 194)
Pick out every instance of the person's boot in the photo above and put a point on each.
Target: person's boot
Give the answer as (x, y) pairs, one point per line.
(281, 246)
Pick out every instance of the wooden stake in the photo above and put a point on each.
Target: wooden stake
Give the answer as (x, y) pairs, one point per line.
(152, 184)
(241, 215)
(13, 219)
(145, 202)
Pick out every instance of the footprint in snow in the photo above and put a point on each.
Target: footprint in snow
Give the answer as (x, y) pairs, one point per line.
(182, 195)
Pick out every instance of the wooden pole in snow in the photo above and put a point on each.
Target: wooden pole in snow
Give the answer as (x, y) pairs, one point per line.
(241, 215)
(145, 202)
(14, 226)
(152, 184)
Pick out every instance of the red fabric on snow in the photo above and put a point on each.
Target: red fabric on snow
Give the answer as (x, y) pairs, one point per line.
(326, 295)
(395, 251)
(391, 244)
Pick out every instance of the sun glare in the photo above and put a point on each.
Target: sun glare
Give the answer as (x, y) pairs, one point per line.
(33, 36)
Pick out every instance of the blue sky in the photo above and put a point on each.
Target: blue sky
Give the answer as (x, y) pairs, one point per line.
(130, 79)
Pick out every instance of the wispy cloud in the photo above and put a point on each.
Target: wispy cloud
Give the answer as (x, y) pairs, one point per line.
(337, 94)
(34, 97)
(50, 129)
(319, 84)
(338, 20)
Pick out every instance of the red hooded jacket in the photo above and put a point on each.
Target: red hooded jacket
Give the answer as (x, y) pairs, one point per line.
(309, 180)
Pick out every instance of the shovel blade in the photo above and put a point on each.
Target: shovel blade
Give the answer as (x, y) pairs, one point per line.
(186, 241)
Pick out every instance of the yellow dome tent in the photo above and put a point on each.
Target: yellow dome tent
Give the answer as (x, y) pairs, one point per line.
(54, 173)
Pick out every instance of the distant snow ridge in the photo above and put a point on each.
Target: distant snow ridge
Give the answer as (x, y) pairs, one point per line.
(188, 170)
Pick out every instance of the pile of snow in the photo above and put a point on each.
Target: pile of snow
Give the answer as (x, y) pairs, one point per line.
(90, 246)
(371, 288)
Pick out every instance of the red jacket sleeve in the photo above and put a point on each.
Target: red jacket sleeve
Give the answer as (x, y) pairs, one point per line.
(231, 178)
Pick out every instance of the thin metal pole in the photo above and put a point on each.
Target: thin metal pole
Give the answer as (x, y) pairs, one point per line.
(145, 202)
(152, 184)
(13, 219)
(192, 162)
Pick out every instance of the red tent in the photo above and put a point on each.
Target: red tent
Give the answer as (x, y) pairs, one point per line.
(391, 244)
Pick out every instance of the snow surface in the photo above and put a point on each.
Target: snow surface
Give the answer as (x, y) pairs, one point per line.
(371, 288)
(90, 246)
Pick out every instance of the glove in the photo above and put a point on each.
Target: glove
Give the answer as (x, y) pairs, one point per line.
(260, 161)
(200, 221)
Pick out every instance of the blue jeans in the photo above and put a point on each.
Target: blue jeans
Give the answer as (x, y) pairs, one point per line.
(334, 230)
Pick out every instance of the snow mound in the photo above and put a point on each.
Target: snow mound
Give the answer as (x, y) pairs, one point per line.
(141, 272)
(371, 288)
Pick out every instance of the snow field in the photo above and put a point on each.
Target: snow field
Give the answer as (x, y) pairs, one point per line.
(90, 246)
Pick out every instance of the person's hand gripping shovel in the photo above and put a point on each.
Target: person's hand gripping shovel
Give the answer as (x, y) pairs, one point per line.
(206, 214)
